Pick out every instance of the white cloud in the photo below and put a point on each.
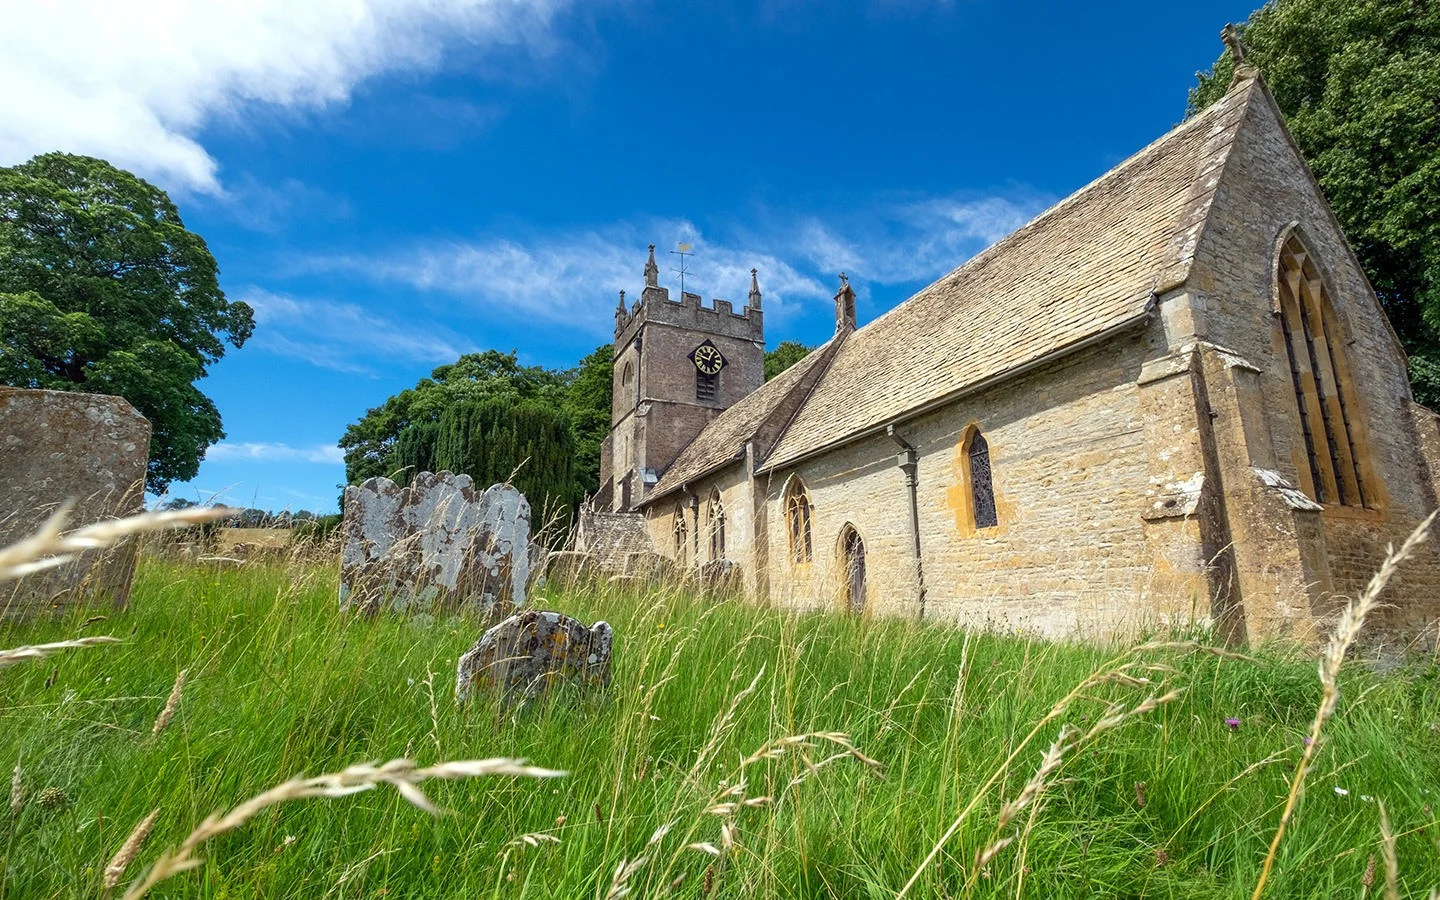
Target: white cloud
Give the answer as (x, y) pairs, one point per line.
(265, 451)
(344, 336)
(568, 276)
(136, 82)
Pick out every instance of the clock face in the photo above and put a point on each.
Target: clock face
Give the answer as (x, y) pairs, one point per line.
(708, 359)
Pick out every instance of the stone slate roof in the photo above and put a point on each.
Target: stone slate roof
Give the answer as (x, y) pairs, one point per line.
(761, 413)
(1087, 265)
(612, 536)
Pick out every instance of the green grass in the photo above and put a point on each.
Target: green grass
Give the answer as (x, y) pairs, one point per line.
(281, 684)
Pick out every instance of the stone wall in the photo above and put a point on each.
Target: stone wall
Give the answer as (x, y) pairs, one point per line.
(1265, 194)
(89, 449)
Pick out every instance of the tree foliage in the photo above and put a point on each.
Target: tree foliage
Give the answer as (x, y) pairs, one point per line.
(103, 289)
(1359, 84)
(785, 355)
(487, 416)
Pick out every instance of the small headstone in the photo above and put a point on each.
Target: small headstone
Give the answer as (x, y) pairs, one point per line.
(437, 544)
(90, 449)
(720, 577)
(532, 652)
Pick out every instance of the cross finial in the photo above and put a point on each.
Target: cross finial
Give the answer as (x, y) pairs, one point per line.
(622, 301)
(652, 271)
(754, 289)
(844, 280)
(1231, 36)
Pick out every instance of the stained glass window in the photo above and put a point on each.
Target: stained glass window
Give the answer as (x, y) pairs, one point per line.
(982, 490)
(681, 533)
(797, 516)
(717, 527)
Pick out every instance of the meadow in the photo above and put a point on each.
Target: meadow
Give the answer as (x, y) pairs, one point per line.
(738, 752)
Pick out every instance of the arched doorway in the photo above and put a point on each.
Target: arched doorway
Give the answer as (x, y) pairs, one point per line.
(852, 558)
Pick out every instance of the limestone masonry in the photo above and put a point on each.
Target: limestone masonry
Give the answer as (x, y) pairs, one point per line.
(1171, 398)
(88, 449)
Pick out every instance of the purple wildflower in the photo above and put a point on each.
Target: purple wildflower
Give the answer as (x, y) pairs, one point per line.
(1233, 722)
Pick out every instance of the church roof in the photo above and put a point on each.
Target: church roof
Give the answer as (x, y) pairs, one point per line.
(760, 415)
(1085, 267)
(1088, 266)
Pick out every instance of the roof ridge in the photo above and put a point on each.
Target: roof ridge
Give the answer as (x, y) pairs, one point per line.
(1184, 127)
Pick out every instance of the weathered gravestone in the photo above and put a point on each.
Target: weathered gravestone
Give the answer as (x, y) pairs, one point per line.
(532, 652)
(437, 544)
(58, 446)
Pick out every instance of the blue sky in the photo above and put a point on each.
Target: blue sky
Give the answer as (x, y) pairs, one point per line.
(391, 183)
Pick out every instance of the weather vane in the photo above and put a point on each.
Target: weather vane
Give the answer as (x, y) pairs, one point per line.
(683, 252)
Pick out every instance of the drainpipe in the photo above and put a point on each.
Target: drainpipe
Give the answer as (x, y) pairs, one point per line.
(908, 460)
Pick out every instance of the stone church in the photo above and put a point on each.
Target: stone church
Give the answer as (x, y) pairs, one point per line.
(1173, 397)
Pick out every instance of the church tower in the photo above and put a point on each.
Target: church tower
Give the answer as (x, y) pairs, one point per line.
(678, 365)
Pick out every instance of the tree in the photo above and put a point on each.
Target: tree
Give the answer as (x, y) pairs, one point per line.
(785, 355)
(588, 404)
(419, 428)
(369, 443)
(103, 289)
(1359, 84)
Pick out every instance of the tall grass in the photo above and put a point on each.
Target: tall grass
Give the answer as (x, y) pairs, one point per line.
(731, 757)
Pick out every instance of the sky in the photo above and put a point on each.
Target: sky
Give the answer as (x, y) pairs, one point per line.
(392, 183)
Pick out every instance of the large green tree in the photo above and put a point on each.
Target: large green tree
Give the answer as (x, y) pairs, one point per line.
(1359, 84)
(103, 289)
(785, 355)
(407, 429)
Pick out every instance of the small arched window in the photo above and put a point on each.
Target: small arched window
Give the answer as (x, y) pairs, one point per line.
(1320, 375)
(627, 374)
(797, 521)
(716, 516)
(979, 481)
(682, 536)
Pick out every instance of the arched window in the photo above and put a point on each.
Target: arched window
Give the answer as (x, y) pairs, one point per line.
(682, 536)
(797, 521)
(978, 480)
(1320, 375)
(627, 375)
(852, 561)
(707, 387)
(716, 516)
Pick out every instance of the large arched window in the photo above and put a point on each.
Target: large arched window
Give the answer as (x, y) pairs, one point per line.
(682, 536)
(716, 516)
(979, 484)
(797, 522)
(1320, 375)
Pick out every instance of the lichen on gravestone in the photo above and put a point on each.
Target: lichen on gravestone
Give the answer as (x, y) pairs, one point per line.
(436, 544)
(534, 652)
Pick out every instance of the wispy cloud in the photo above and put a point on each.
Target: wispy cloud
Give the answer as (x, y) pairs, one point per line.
(269, 452)
(136, 83)
(344, 336)
(562, 276)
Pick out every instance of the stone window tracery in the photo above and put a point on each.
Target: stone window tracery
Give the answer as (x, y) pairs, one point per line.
(797, 520)
(1332, 470)
(716, 516)
(682, 534)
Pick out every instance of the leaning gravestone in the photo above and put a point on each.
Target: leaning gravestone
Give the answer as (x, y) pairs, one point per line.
(90, 450)
(532, 652)
(437, 544)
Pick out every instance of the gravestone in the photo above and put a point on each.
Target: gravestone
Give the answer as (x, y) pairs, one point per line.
(89, 449)
(533, 652)
(436, 544)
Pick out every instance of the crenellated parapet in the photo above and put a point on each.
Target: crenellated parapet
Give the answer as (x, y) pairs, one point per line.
(689, 312)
